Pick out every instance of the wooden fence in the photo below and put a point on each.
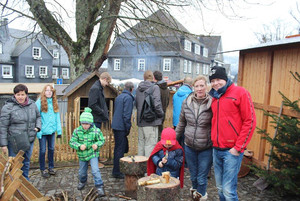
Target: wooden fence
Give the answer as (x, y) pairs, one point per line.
(63, 152)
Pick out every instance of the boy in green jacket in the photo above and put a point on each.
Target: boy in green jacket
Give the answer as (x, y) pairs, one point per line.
(87, 140)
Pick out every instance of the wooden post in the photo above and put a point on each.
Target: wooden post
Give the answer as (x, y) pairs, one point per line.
(134, 167)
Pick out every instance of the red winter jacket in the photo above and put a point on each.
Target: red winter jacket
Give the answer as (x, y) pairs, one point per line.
(234, 119)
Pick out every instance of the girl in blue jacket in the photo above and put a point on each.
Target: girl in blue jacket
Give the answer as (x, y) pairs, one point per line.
(48, 107)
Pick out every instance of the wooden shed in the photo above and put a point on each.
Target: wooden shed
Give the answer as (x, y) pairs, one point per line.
(264, 70)
(78, 93)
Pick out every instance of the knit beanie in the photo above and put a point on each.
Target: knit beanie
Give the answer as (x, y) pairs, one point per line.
(218, 72)
(86, 117)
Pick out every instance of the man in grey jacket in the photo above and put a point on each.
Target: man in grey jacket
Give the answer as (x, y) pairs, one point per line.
(148, 131)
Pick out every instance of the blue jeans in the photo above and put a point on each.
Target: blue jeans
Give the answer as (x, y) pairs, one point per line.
(83, 168)
(26, 161)
(227, 167)
(199, 163)
(50, 140)
(120, 147)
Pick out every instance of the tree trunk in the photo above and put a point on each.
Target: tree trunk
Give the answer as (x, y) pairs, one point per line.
(161, 191)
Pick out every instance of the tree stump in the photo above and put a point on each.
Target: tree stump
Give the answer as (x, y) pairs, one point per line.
(133, 167)
(161, 191)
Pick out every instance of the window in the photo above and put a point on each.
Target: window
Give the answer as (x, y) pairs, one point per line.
(43, 71)
(36, 52)
(198, 69)
(54, 73)
(7, 71)
(65, 73)
(189, 67)
(205, 69)
(29, 71)
(1, 48)
(55, 54)
(117, 64)
(187, 45)
(185, 66)
(167, 65)
(197, 49)
(141, 64)
(205, 52)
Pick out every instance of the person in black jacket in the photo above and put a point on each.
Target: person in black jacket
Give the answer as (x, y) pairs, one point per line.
(97, 100)
(121, 125)
(164, 96)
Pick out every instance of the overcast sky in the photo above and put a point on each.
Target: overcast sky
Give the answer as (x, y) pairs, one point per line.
(238, 34)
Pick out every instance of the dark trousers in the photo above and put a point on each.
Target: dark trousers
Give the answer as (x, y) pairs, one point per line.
(98, 124)
(121, 144)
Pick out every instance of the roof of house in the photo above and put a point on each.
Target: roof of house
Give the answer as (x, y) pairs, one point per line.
(154, 38)
(212, 43)
(81, 80)
(285, 41)
(24, 43)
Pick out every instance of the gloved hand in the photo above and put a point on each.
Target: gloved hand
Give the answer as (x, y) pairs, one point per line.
(39, 135)
(58, 136)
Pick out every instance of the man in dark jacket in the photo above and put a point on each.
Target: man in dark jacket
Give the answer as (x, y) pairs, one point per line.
(121, 125)
(164, 96)
(148, 131)
(97, 100)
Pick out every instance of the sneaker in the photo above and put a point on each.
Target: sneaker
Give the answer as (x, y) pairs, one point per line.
(118, 176)
(197, 196)
(51, 172)
(192, 190)
(100, 191)
(45, 174)
(81, 185)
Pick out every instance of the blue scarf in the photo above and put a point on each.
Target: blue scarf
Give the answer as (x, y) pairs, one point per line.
(221, 91)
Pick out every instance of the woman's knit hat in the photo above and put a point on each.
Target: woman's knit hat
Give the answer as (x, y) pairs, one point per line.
(218, 72)
(86, 117)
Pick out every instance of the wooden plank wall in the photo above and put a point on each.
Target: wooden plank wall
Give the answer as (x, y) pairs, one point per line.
(263, 74)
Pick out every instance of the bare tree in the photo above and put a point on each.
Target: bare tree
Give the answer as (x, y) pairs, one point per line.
(274, 31)
(96, 21)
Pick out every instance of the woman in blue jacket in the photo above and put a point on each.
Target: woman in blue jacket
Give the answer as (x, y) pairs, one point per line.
(48, 107)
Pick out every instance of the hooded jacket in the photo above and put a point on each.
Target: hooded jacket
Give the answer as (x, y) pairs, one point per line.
(196, 127)
(50, 120)
(88, 137)
(97, 103)
(140, 97)
(234, 118)
(16, 118)
(123, 111)
(178, 98)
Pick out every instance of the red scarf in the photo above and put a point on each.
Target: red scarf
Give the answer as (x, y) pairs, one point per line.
(151, 167)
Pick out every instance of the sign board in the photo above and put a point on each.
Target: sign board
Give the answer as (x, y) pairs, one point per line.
(59, 81)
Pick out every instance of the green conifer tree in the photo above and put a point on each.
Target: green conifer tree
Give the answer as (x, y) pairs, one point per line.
(284, 174)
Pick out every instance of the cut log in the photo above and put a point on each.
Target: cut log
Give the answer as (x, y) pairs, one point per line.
(161, 191)
(133, 167)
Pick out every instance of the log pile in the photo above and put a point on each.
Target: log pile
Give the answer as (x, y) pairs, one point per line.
(13, 185)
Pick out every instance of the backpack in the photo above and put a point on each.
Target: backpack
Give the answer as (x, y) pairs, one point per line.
(148, 110)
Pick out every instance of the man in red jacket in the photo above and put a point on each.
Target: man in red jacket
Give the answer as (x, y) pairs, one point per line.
(233, 124)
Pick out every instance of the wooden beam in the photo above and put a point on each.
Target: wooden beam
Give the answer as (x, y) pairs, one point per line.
(266, 101)
(275, 109)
